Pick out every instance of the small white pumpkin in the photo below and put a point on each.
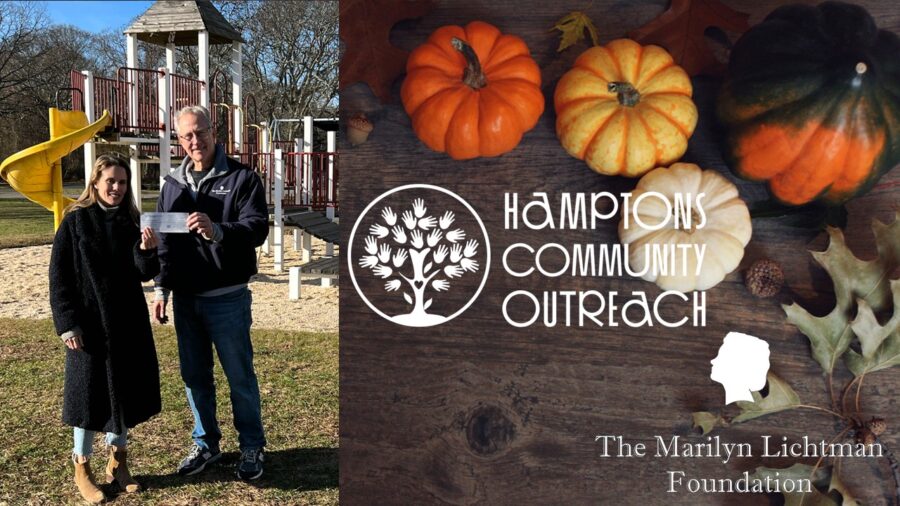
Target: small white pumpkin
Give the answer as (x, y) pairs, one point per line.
(725, 232)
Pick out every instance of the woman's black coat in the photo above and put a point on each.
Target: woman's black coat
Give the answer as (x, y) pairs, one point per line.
(95, 284)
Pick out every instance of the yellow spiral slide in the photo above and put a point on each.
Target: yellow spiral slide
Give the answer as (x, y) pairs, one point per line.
(36, 172)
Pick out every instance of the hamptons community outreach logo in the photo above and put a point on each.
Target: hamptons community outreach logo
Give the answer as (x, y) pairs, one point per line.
(419, 255)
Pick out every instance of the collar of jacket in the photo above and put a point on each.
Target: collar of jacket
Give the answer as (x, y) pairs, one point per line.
(97, 215)
(220, 167)
(90, 227)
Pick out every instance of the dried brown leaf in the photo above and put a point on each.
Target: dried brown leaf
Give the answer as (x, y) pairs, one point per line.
(369, 56)
(681, 30)
(572, 27)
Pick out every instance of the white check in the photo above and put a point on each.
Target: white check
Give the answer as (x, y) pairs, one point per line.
(167, 223)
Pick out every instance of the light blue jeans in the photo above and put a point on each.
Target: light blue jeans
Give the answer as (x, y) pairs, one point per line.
(84, 440)
(223, 322)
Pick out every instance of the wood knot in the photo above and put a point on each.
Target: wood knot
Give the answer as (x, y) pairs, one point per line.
(488, 430)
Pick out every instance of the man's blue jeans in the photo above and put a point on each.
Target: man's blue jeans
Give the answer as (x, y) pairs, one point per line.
(224, 322)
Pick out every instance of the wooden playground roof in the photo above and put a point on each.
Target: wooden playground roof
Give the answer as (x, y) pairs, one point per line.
(183, 19)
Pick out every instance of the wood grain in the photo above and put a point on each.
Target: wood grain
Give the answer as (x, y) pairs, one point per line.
(182, 19)
(477, 412)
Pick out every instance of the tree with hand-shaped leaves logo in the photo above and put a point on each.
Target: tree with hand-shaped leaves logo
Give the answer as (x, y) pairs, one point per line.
(424, 245)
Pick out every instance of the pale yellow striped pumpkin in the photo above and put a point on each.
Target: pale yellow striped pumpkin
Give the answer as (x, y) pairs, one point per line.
(625, 108)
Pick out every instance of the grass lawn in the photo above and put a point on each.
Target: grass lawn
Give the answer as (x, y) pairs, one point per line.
(24, 223)
(298, 375)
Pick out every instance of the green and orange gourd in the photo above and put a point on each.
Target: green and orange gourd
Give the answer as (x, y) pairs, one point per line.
(812, 102)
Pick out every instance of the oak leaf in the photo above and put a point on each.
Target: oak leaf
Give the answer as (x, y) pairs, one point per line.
(781, 397)
(862, 289)
(879, 344)
(573, 26)
(365, 27)
(824, 482)
(681, 30)
(706, 421)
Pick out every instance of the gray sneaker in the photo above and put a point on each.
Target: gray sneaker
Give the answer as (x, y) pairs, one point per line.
(197, 460)
(250, 466)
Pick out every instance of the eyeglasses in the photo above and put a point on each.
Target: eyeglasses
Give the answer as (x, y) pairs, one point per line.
(190, 136)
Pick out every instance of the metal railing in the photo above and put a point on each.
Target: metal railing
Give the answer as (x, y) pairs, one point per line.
(291, 167)
(317, 190)
(132, 98)
(139, 100)
(75, 95)
(185, 91)
(222, 117)
(310, 178)
(76, 81)
(106, 97)
(323, 184)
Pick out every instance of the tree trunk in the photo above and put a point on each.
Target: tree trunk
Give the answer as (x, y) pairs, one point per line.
(419, 299)
(417, 258)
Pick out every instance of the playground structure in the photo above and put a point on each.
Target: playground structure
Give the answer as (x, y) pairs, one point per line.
(136, 109)
(36, 172)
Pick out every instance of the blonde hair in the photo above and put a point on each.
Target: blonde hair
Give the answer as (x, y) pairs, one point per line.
(90, 196)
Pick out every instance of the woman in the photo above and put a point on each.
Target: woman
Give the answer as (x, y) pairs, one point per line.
(98, 261)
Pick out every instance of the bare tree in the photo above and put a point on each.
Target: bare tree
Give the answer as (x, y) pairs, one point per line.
(62, 48)
(25, 53)
(58, 49)
(290, 62)
(21, 25)
(290, 55)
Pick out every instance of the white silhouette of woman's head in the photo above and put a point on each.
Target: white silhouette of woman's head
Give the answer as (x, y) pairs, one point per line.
(741, 366)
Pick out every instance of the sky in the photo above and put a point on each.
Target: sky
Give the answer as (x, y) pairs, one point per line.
(95, 16)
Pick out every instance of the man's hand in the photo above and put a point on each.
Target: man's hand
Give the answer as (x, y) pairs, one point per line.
(159, 311)
(200, 222)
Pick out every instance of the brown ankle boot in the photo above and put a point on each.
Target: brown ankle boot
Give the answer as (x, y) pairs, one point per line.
(84, 480)
(117, 470)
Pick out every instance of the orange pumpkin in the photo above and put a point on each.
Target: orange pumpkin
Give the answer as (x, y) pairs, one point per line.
(625, 108)
(472, 91)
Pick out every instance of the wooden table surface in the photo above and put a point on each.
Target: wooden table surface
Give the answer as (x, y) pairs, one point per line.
(477, 411)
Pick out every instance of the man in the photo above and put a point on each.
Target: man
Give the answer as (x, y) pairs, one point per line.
(207, 271)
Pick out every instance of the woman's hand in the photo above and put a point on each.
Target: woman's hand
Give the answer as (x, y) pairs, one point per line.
(74, 343)
(148, 239)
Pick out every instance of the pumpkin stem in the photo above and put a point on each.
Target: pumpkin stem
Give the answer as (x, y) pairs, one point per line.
(627, 94)
(473, 76)
(861, 68)
(695, 218)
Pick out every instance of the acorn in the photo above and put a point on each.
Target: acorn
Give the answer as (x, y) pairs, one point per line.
(877, 426)
(358, 129)
(865, 436)
(764, 278)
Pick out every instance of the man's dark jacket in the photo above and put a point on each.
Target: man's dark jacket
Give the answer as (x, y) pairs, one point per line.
(233, 197)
